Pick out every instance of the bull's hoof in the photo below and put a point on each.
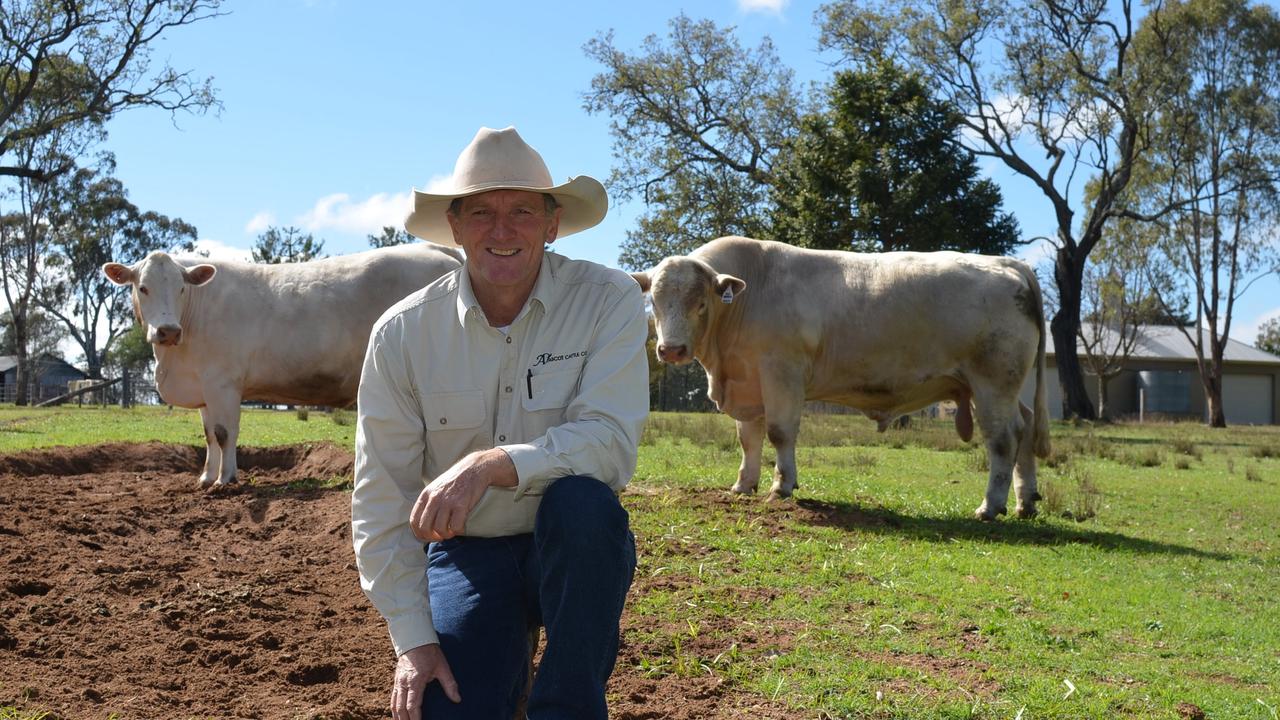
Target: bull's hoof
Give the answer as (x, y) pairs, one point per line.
(740, 490)
(223, 485)
(779, 495)
(1025, 513)
(204, 483)
(985, 514)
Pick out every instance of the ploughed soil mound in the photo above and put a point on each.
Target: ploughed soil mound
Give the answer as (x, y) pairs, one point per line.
(127, 591)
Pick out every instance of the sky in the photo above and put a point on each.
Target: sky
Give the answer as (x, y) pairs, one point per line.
(333, 110)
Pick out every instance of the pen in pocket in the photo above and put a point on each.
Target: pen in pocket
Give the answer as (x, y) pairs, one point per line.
(528, 382)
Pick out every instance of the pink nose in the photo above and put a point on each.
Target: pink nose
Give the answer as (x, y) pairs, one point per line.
(168, 335)
(672, 353)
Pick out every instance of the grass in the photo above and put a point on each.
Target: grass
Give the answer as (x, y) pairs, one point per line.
(1148, 585)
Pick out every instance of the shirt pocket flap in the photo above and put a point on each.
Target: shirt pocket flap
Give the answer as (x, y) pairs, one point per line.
(551, 389)
(455, 410)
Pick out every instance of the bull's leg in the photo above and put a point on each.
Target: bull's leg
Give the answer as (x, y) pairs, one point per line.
(1000, 428)
(751, 437)
(1024, 469)
(213, 450)
(222, 428)
(783, 393)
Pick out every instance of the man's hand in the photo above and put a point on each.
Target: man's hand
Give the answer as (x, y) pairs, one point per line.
(414, 671)
(442, 509)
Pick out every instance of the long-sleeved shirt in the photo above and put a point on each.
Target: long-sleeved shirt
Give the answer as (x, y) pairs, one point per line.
(564, 391)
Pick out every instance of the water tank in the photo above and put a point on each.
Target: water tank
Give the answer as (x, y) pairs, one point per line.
(1166, 391)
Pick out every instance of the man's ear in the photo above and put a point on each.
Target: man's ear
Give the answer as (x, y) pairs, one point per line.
(642, 278)
(117, 273)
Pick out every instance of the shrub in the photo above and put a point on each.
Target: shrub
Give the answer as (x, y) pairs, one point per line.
(340, 416)
(301, 413)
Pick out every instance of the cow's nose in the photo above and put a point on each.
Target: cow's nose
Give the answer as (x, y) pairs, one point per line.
(168, 335)
(672, 353)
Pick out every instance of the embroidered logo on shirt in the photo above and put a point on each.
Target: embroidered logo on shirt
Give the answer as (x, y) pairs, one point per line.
(545, 358)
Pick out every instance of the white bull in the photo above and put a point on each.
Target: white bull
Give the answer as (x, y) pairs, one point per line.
(294, 333)
(890, 333)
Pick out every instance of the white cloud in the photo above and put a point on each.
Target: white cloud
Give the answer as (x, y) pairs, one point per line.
(260, 222)
(773, 6)
(1246, 331)
(439, 184)
(339, 212)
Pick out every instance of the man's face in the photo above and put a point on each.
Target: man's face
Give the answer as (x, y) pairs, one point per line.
(503, 232)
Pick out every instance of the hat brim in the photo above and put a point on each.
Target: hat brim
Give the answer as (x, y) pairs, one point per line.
(583, 200)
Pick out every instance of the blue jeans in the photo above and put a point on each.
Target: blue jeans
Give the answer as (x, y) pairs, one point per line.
(571, 576)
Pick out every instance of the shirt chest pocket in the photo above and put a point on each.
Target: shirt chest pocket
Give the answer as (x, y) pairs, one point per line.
(462, 410)
(551, 390)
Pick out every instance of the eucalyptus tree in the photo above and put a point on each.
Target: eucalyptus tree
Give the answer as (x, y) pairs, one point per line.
(1050, 88)
(77, 63)
(697, 123)
(1215, 163)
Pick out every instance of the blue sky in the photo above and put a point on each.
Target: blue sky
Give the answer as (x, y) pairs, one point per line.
(335, 109)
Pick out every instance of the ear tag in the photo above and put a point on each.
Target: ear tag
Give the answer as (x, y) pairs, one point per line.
(727, 297)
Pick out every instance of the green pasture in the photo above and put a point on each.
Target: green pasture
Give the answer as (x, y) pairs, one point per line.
(1149, 587)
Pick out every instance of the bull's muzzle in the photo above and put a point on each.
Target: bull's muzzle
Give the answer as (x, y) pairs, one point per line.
(166, 335)
(673, 353)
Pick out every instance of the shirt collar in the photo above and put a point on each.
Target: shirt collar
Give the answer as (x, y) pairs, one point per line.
(543, 292)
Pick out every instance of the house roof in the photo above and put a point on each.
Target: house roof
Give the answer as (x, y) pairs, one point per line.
(1166, 342)
(8, 362)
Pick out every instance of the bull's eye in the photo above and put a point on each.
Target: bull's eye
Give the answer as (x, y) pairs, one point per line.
(143, 289)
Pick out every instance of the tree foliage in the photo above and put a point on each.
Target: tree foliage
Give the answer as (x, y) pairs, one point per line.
(390, 237)
(286, 245)
(1215, 164)
(70, 66)
(879, 169)
(1269, 336)
(46, 334)
(697, 122)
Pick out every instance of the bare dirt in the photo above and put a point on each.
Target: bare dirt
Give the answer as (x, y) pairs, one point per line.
(126, 592)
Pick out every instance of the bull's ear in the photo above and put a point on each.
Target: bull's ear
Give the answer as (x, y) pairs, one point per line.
(727, 286)
(199, 275)
(643, 279)
(117, 273)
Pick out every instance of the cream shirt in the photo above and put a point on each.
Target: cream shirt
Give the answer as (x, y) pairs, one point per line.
(564, 392)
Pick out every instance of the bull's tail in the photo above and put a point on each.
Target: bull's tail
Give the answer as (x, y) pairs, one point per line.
(1042, 446)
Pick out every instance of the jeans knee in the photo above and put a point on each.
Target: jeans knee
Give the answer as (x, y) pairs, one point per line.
(582, 504)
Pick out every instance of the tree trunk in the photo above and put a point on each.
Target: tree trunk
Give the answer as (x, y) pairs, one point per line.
(1213, 395)
(1067, 274)
(23, 370)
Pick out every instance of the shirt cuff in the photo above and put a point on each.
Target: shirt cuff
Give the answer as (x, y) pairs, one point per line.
(534, 468)
(410, 632)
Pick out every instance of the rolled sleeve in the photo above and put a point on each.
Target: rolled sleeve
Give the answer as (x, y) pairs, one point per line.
(389, 459)
(605, 418)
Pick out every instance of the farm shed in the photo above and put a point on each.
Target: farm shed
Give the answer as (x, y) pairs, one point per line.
(1161, 377)
(52, 374)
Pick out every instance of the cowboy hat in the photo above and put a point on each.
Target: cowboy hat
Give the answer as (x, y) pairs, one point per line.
(502, 160)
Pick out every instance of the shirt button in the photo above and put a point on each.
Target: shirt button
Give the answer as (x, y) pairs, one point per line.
(443, 421)
(508, 388)
(502, 438)
(508, 339)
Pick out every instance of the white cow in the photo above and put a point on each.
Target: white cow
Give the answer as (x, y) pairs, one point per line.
(889, 333)
(295, 333)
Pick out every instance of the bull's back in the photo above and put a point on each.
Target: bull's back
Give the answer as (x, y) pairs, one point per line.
(297, 334)
(878, 322)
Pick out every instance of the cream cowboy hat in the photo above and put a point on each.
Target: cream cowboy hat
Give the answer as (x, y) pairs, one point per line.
(502, 160)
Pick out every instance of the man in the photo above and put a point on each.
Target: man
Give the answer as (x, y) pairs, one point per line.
(500, 412)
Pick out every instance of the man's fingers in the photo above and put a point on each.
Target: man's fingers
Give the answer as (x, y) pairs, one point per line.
(450, 686)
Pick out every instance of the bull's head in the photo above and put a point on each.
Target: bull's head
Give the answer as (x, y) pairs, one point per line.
(685, 293)
(159, 290)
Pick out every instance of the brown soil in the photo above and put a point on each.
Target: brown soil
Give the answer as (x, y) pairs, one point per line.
(124, 590)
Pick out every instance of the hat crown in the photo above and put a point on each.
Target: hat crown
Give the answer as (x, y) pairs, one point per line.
(500, 157)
